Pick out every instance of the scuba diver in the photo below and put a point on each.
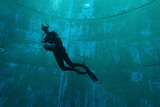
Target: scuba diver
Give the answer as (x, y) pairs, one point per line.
(52, 42)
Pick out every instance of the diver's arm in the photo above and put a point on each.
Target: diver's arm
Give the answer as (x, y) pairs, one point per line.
(48, 45)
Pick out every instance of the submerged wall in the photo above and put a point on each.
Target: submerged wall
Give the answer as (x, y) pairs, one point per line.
(118, 40)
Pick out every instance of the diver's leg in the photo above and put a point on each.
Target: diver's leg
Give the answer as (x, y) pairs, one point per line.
(60, 62)
(91, 74)
(69, 62)
(88, 71)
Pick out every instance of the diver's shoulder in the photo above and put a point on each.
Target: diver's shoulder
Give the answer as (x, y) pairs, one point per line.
(53, 32)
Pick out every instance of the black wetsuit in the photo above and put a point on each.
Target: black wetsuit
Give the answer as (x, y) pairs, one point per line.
(60, 54)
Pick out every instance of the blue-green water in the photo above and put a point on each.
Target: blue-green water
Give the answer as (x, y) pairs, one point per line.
(118, 40)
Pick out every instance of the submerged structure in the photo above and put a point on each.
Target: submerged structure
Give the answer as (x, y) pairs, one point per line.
(119, 40)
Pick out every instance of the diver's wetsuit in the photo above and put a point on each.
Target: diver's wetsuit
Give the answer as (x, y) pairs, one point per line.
(60, 52)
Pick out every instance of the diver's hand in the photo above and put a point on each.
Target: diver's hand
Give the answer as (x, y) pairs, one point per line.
(49, 47)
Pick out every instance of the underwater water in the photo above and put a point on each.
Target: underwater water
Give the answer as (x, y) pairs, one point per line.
(119, 40)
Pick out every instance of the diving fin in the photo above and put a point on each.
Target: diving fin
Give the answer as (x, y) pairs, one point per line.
(91, 74)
